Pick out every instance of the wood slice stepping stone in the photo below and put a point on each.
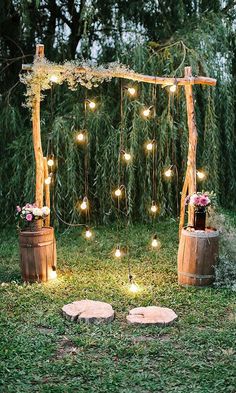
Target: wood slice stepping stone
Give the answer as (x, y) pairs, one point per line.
(151, 315)
(89, 311)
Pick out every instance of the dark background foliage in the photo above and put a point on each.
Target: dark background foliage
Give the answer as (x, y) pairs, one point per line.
(151, 37)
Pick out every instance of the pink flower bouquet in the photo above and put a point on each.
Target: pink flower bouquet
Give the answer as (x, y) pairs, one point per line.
(31, 212)
(200, 200)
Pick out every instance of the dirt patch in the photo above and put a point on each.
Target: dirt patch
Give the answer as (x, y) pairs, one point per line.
(66, 347)
(45, 330)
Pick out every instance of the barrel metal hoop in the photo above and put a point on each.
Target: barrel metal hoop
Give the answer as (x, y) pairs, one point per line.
(41, 244)
(195, 275)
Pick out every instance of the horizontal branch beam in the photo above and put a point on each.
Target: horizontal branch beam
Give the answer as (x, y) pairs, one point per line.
(156, 80)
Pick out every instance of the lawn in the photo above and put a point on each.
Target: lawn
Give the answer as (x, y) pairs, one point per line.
(42, 352)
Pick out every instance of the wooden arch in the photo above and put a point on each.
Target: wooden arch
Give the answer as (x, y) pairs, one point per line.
(187, 81)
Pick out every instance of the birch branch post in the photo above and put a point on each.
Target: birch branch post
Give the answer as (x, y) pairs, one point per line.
(38, 152)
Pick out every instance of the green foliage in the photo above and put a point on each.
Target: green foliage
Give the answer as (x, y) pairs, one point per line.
(200, 40)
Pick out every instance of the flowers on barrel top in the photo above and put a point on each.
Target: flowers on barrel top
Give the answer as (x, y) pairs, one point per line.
(31, 212)
(200, 200)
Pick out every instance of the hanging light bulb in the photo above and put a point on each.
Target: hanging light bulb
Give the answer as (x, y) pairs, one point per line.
(131, 91)
(88, 233)
(118, 252)
(53, 78)
(133, 288)
(201, 175)
(173, 88)
(84, 204)
(154, 207)
(155, 242)
(127, 157)
(168, 172)
(48, 180)
(81, 136)
(146, 112)
(149, 146)
(91, 104)
(50, 162)
(53, 273)
(118, 192)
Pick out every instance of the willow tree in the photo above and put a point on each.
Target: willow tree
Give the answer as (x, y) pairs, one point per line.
(190, 36)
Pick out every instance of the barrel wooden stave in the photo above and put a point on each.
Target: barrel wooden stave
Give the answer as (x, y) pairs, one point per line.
(37, 254)
(197, 256)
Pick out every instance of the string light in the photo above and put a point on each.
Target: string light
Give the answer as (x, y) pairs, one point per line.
(53, 273)
(91, 104)
(127, 156)
(201, 175)
(53, 78)
(150, 145)
(155, 242)
(48, 180)
(131, 91)
(88, 233)
(118, 252)
(81, 136)
(154, 207)
(50, 162)
(168, 172)
(173, 87)
(84, 204)
(133, 288)
(146, 112)
(118, 192)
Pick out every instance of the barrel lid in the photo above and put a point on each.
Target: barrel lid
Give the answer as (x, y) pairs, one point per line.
(209, 232)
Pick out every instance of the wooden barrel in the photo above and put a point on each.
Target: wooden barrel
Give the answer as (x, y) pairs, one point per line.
(38, 255)
(197, 256)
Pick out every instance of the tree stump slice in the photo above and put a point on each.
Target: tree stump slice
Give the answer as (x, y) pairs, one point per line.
(152, 315)
(88, 311)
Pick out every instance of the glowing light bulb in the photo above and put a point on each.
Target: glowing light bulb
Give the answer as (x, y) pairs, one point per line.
(201, 175)
(118, 192)
(149, 146)
(127, 156)
(146, 112)
(133, 288)
(84, 204)
(53, 78)
(155, 242)
(168, 172)
(53, 275)
(173, 88)
(92, 104)
(88, 233)
(118, 253)
(131, 91)
(80, 137)
(48, 180)
(154, 207)
(50, 162)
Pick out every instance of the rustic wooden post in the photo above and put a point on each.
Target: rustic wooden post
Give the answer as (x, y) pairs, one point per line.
(38, 153)
(46, 190)
(190, 178)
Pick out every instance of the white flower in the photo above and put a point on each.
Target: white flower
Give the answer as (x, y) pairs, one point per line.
(45, 210)
(37, 212)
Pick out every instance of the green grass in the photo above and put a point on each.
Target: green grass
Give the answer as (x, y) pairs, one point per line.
(42, 352)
